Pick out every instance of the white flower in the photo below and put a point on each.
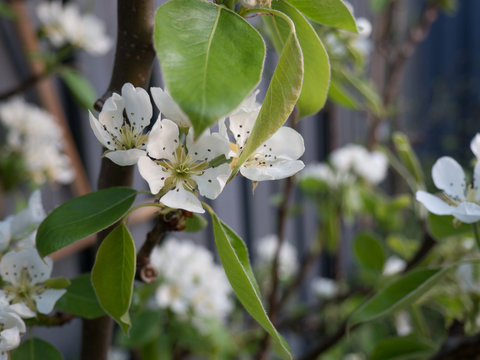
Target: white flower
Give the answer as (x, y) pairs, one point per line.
(361, 42)
(276, 158)
(169, 108)
(11, 328)
(371, 166)
(466, 280)
(324, 287)
(354, 356)
(254, 3)
(178, 172)
(403, 323)
(456, 199)
(287, 261)
(34, 134)
(63, 24)
(393, 265)
(123, 135)
(25, 272)
(21, 226)
(192, 282)
(475, 145)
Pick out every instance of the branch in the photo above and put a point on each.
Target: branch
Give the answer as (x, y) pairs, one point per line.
(25, 85)
(458, 346)
(428, 243)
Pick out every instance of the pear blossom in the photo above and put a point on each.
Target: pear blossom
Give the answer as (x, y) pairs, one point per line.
(11, 328)
(276, 158)
(121, 124)
(403, 323)
(192, 284)
(25, 271)
(33, 134)
(287, 261)
(169, 108)
(393, 266)
(20, 228)
(325, 288)
(64, 24)
(456, 199)
(475, 145)
(177, 171)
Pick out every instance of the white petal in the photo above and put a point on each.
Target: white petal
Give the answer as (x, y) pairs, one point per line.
(152, 173)
(169, 108)
(180, 198)
(112, 114)
(11, 320)
(467, 212)
(213, 180)
(476, 180)
(10, 339)
(137, 106)
(125, 157)
(102, 136)
(434, 204)
(208, 147)
(23, 310)
(13, 262)
(280, 169)
(475, 145)
(5, 234)
(47, 299)
(448, 176)
(285, 142)
(241, 124)
(28, 219)
(163, 140)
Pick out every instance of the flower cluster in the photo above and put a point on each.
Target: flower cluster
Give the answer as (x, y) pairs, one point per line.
(287, 260)
(347, 164)
(64, 24)
(24, 292)
(192, 286)
(177, 167)
(457, 199)
(33, 135)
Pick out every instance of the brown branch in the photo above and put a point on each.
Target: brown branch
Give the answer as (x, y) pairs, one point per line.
(56, 319)
(25, 85)
(428, 243)
(457, 346)
(133, 63)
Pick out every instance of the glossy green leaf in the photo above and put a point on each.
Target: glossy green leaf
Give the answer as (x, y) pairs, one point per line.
(113, 274)
(234, 257)
(399, 293)
(442, 227)
(81, 217)
(316, 78)
(369, 253)
(211, 58)
(327, 12)
(36, 349)
(402, 348)
(283, 91)
(146, 327)
(79, 86)
(195, 223)
(80, 299)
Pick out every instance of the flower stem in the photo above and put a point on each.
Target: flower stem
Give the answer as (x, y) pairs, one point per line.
(476, 234)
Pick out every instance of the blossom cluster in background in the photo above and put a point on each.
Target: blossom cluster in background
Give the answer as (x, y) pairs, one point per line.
(65, 25)
(33, 138)
(192, 285)
(24, 292)
(287, 257)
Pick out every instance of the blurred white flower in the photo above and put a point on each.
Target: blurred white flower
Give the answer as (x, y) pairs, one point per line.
(371, 166)
(254, 3)
(403, 323)
(475, 145)
(177, 172)
(287, 261)
(117, 354)
(362, 42)
(456, 199)
(121, 123)
(324, 288)
(64, 24)
(34, 134)
(466, 279)
(276, 158)
(394, 265)
(354, 356)
(12, 328)
(25, 271)
(192, 282)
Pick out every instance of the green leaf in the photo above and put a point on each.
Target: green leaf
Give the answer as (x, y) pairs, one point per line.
(327, 12)
(79, 86)
(379, 5)
(339, 95)
(36, 349)
(369, 253)
(7, 11)
(195, 223)
(145, 328)
(282, 94)
(80, 299)
(316, 63)
(234, 257)
(409, 158)
(442, 226)
(113, 274)
(402, 348)
(399, 293)
(211, 58)
(57, 283)
(81, 217)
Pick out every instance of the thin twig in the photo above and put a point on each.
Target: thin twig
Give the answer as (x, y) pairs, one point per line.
(428, 243)
(25, 85)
